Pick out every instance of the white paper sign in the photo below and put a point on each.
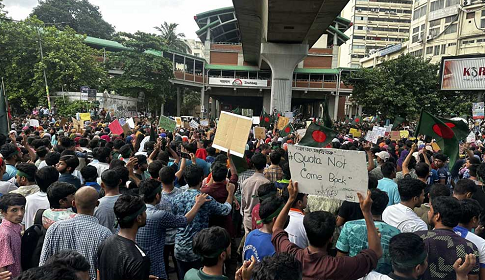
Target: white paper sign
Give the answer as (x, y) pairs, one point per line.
(131, 123)
(301, 132)
(194, 124)
(204, 122)
(371, 136)
(331, 173)
(256, 120)
(388, 128)
(34, 123)
(471, 137)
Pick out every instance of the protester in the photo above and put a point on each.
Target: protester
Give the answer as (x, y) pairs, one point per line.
(12, 208)
(66, 167)
(274, 172)
(387, 183)
(60, 196)
(401, 215)
(295, 229)
(105, 211)
(443, 244)
(464, 188)
(82, 233)
(119, 257)
(71, 259)
(353, 236)
(25, 179)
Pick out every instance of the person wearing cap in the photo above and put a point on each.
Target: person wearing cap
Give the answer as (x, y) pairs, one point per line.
(381, 158)
(11, 155)
(82, 233)
(119, 256)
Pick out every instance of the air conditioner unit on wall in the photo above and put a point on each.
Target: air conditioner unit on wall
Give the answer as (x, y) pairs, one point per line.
(430, 37)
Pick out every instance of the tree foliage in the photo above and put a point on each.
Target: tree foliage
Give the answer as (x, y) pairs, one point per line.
(68, 62)
(80, 15)
(172, 39)
(401, 87)
(142, 72)
(3, 13)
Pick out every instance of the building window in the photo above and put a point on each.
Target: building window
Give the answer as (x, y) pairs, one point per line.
(482, 21)
(451, 44)
(358, 47)
(416, 29)
(451, 2)
(360, 28)
(451, 29)
(436, 5)
(470, 15)
(466, 42)
(434, 23)
(443, 49)
(450, 19)
(434, 32)
(480, 40)
(436, 50)
(419, 12)
(429, 50)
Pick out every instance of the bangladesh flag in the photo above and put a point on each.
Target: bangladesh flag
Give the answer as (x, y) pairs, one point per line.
(357, 120)
(4, 124)
(265, 119)
(237, 111)
(397, 122)
(317, 136)
(460, 128)
(327, 121)
(107, 118)
(434, 127)
(286, 130)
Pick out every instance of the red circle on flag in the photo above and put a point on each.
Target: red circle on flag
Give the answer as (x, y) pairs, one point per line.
(450, 125)
(319, 136)
(266, 119)
(443, 131)
(288, 130)
(357, 120)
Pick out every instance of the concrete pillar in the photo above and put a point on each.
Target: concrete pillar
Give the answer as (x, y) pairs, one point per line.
(282, 58)
(335, 107)
(316, 109)
(204, 103)
(213, 108)
(360, 110)
(350, 110)
(179, 101)
(218, 108)
(162, 111)
(267, 102)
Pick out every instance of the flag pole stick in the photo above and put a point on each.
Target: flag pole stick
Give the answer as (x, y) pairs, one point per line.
(6, 105)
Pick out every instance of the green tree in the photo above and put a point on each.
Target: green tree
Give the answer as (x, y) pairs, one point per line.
(139, 41)
(142, 72)
(3, 13)
(80, 15)
(68, 62)
(171, 38)
(401, 87)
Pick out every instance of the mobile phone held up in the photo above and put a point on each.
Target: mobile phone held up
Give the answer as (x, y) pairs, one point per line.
(185, 155)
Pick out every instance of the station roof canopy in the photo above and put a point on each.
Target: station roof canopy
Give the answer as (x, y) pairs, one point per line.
(283, 21)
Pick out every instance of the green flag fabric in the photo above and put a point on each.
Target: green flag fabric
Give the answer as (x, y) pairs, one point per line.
(327, 121)
(237, 111)
(460, 128)
(107, 118)
(167, 123)
(397, 121)
(317, 136)
(265, 119)
(4, 127)
(434, 127)
(357, 120)
(286, 130)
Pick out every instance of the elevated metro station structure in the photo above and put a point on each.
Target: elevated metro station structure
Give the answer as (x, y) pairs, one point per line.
(279, 55)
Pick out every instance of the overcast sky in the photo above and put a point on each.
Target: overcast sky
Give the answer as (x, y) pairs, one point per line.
(134, 15)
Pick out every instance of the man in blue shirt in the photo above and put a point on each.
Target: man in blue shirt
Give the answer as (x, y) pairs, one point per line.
(387, 183)
(151, 238)
(182, 204)
(66, 166)
(444, 174)
(258, 242)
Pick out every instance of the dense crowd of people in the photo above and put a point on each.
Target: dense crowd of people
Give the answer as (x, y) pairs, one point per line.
(85, 203)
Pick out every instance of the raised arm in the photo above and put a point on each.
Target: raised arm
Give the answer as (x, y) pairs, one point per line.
(281, 220)
(180, 172)
(200, 199)
(372, 234)
(405, 164)
(370, 157)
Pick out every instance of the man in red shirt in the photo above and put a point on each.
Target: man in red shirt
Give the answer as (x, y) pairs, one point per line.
(319, 227)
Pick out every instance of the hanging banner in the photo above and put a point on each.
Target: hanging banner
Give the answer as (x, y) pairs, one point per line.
(331, 173)
(238, 82)
(478, 110)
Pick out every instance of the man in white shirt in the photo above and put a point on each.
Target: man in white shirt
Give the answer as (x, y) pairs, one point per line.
(295, 229)
(401, 215)
(44, 177)
(470, 220)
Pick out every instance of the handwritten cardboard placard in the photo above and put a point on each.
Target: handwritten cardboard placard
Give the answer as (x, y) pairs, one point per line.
(126, 129)
(331, 173)
(282, 122)
(115, 127)
(194, 124)
(259, 132)
(232, 133)
(178, 121)
(395, 135)
(404, 133)
(85, 116)
(77, 125)
(470, 138)
(372, 136)
(167, 123)
(63, 122)
(356, 133)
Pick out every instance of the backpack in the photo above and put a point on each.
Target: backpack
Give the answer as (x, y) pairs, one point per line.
(32, 242)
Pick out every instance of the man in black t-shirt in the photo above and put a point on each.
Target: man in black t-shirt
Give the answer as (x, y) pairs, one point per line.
(119, 257)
